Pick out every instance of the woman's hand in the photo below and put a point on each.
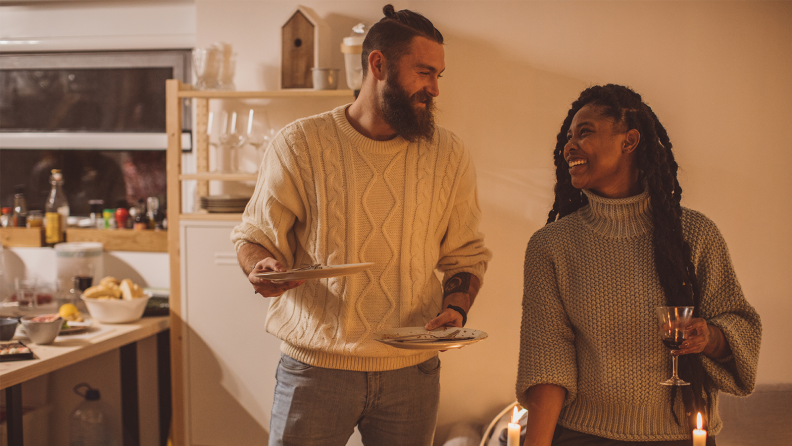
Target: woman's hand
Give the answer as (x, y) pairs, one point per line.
(268, 288)
(704, 338)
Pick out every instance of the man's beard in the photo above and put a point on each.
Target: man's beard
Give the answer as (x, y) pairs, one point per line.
(399, 110)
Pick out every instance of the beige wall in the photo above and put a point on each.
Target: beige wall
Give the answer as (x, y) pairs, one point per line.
(716, 73)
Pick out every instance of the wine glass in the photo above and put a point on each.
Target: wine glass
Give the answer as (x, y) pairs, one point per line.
(231, 140)
(257, 136)
(673, 322)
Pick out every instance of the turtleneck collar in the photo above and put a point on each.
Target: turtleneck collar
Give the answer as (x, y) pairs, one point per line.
(618, 217)
(367, 144)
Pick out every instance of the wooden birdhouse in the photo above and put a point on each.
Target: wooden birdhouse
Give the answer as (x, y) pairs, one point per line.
(305, 45)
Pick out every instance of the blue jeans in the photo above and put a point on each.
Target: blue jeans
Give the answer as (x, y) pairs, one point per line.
(318, 406)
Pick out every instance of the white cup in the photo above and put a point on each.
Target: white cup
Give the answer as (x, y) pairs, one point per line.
(325, 78)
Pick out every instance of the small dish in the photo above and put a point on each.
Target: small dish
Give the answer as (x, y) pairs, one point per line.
(315, 272)
(418, 338)
(76, 327)
(8, 327)
(42, 332)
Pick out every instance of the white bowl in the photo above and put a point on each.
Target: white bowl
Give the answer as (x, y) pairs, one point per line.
(116, 311)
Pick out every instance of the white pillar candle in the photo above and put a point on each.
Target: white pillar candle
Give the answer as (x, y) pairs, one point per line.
(699, 435)
(250, 121)
(514, 430)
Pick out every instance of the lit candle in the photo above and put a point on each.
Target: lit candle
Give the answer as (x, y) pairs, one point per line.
(514, 429)
(699, 435)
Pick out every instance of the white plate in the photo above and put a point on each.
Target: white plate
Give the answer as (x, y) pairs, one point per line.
(322, 272)
(77, 327)
(426, 340)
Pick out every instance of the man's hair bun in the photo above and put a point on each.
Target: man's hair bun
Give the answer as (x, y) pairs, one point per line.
(388, 10)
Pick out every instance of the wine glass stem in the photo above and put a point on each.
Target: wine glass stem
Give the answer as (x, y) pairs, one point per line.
(674, 362)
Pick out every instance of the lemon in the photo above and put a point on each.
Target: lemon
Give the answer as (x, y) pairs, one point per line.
(70, 312)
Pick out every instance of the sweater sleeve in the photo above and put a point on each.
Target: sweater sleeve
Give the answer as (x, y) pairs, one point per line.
(462, 247)
(276, 204)
(547, 349)
(724, 305)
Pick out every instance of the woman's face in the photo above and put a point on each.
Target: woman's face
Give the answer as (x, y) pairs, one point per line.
(601, 155)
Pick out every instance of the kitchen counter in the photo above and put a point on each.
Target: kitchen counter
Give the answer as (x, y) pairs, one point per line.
(70, 349)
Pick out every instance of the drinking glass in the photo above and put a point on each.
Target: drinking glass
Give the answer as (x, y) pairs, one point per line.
(231, 140)
(258, 135)
(206, 65)
(672, 324)
(83, 278)
(25, 292)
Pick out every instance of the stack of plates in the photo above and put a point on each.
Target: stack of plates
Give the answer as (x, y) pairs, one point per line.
(224, 203)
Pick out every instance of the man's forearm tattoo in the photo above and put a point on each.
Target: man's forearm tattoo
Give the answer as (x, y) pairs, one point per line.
(458, 283)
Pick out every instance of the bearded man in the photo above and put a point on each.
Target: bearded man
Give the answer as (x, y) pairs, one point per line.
(375, 181)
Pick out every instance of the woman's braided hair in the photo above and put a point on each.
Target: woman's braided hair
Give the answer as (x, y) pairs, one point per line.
(658, 170)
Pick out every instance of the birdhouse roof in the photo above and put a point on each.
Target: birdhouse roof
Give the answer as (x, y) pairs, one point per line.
(308, 13)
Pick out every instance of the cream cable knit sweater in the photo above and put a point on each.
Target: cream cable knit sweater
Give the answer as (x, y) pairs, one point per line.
(327, 194)
(589, 324)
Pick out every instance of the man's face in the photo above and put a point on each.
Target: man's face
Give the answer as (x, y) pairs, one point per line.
(411, 85)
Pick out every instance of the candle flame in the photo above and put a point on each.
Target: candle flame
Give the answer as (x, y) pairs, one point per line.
(698, 421)
(515, 415)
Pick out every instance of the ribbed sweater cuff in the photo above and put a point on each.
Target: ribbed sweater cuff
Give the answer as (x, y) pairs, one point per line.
(626, 423)
(354, 363)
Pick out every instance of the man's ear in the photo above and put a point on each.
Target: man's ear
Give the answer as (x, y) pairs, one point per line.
(376, 61)
(633, 137)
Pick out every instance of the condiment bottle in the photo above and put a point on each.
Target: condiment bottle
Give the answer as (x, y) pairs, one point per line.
(141, 220)
(6, 217)
(20, 211)
(121, 216)
(109, 219)
(57, 210)
(153, 211)
(95, 207)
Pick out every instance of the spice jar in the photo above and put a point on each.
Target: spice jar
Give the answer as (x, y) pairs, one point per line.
(35, 219)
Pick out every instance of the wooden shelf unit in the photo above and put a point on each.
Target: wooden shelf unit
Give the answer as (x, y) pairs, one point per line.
(176, 91)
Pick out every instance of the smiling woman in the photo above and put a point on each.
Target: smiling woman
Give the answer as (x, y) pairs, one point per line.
(616, 245)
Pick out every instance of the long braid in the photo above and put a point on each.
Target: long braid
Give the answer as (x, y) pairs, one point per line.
(672, 255)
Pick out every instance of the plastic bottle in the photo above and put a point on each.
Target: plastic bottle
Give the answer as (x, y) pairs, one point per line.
(57, 210)
(90, 424)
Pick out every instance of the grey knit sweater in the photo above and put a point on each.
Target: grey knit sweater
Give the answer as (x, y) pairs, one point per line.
(589, 326)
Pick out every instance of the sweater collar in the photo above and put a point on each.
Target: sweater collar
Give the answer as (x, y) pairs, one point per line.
(367, 144)
(618, 217)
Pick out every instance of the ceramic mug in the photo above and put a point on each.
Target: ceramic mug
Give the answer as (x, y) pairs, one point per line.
(325, 78)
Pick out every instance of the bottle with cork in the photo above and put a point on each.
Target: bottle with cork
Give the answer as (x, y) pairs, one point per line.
(56, 211)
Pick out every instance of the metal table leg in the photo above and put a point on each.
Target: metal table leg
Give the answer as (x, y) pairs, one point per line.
(14, 415)
(130, 420)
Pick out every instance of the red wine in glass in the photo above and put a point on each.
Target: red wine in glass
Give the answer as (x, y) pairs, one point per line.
(82, 283)
(672, 322)
(674, 341)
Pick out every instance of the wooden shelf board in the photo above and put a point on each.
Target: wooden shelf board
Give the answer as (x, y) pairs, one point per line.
(211, 216)
(219, 176)
(296, 93)
(122, 239)
(22, 237)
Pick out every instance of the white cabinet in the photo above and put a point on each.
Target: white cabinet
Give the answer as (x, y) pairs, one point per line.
(230, 360)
